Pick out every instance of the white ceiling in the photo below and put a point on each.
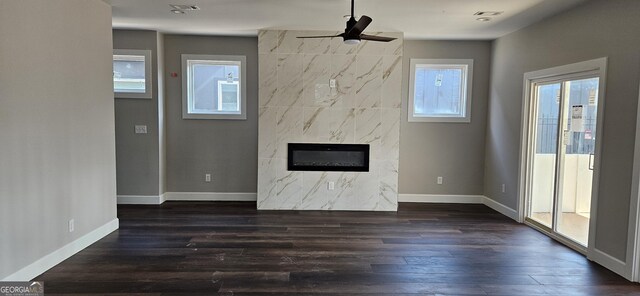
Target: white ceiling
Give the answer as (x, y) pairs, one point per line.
(418, 19)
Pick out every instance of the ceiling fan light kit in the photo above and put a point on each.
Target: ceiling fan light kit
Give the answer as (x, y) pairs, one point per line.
(352, 41)
(353, 33)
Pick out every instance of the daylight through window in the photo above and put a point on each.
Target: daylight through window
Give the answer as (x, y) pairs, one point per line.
(440, 90)
(213, 87)
(131, 73)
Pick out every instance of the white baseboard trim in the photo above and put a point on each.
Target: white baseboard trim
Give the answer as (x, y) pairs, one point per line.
(440, 198)
(211, 196)
(610, 262)
(43, 264)
(140, 199)
(185, 196)
(500, 208)
(465, 199)
(163, 198)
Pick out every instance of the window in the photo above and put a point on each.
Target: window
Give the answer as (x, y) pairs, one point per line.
(213, 87)
(440, 90)
(132, 73)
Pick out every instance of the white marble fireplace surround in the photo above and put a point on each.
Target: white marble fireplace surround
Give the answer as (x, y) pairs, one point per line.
(297, 105)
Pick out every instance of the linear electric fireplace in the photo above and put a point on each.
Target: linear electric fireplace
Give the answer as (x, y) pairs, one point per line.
(328, 157)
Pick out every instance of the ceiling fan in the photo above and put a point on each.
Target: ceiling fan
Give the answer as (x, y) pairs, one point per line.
(353, 33)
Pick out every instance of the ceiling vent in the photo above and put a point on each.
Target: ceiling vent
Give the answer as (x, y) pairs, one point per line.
(488, 13)
(184, 7)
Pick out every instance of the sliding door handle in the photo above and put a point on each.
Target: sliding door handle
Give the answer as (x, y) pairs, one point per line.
(591, 160)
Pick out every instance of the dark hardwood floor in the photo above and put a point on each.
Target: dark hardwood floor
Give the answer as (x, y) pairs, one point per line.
(229, 248)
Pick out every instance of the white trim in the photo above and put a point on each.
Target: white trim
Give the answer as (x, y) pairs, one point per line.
(441, 198)
(140, 199)
(466, 65)
(461, 199)
(148, 76)
(43, 264)
(633, 241)
(524, 150)
(185, 196)
(608, 261)
(212, 196)
(500, 208)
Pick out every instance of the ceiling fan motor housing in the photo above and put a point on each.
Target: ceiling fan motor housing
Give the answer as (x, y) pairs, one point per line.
(346, 37)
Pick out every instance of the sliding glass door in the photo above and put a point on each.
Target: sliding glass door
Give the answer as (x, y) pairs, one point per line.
(545, 145)
(561, 160)
(577, 158)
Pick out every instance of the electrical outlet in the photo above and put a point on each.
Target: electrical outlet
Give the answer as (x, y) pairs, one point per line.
(504, 188)
(332, 83)
(72, 226)
(331, 185)
(141, 129)
(439, 180)
(207, 177)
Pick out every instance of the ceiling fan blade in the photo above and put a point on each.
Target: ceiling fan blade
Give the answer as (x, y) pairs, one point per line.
(376, 38)
(332, 36)
(359, 27)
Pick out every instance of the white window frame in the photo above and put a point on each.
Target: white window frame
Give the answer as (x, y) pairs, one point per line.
(187, 59)
(467, 66)
(148, 78)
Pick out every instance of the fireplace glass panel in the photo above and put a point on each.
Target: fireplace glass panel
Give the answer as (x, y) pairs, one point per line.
(328, 157)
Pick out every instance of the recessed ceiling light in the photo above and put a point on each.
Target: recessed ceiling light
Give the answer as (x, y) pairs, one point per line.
(488, 13)
(177, 11)
(483, 19)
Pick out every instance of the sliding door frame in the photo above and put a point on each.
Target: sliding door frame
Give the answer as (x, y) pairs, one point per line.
(633, 247)
(591, 68)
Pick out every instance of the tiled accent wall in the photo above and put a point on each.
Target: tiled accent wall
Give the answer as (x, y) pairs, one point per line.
(297, 104)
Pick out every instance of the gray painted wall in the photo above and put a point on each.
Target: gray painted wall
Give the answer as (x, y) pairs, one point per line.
(454, 151)
(227, 149)
(137, 155)
(57, 153)
(599, 28)
(193, 145)
(162, 131)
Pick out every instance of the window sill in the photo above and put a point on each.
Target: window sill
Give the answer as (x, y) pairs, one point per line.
(214, 116)
(124, 95)
(440, 119)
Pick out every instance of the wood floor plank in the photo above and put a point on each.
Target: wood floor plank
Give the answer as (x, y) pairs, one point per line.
(230, 248)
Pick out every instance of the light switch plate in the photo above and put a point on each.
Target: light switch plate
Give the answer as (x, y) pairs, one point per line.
(141, 129)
